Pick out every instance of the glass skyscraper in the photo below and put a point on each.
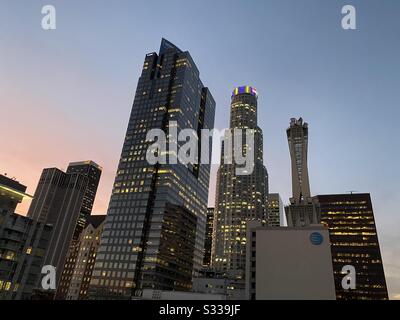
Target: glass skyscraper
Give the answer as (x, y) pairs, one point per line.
(275, 210)
(354, 241)
(209, 237)
(239, 198)
(143, 242)
(93, 172)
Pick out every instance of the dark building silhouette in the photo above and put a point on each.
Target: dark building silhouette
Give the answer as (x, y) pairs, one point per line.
(169, 95)
(275, 210)
(176, 250)
(354, 241)
(209, 238)
(23, 242)
(58, 201)
(92, 171)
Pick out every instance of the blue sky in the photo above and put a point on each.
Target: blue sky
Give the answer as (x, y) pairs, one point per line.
(66, 94)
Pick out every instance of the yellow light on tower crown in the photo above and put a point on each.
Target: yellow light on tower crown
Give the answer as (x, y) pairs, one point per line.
(244, 90)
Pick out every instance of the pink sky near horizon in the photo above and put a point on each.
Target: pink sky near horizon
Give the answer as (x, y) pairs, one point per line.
(53, 145)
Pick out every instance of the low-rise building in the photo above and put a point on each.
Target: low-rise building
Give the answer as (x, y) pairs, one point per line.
(285, 263)
(23, 243)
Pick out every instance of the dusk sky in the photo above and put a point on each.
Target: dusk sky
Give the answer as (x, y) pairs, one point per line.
(66, 94)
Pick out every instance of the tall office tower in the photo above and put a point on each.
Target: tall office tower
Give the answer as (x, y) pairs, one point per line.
(169, 96)
(301, 211)
(78, 268)
(58, 201)
(23, 242)
(93, 172)
(275, 210)
(209, 237)
(354, 242)
(239, 198)
(297, 135)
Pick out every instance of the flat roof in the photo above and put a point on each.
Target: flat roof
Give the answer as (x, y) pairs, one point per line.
(87, 162)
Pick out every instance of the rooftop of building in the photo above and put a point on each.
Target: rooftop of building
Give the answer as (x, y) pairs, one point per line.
(166, 45)
(255, 225)
(245, 90)
(11, 185)
(298, 122)
(95, 220)
(86, 162)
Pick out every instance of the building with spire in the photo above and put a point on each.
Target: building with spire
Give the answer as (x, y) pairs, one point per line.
(302, 210)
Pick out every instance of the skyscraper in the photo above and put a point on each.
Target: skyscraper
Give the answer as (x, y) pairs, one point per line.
(132, 255)
(301, 211)
(58, 201)
(92, 171)
(297, 135)
(239, 198)
(78, 268)
(354, 242)
(209, 237)
(275, 210)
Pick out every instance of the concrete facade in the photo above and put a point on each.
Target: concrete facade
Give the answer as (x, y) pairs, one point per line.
(289, 263)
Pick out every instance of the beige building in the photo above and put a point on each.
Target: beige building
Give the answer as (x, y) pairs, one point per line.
(289, 263)
(79, 266)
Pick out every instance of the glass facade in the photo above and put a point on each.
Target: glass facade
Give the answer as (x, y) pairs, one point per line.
(354, 241)
(239, 198)
(275, 210)
(58, 201)
(209, 237)
(130, 257)
(92, 171)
